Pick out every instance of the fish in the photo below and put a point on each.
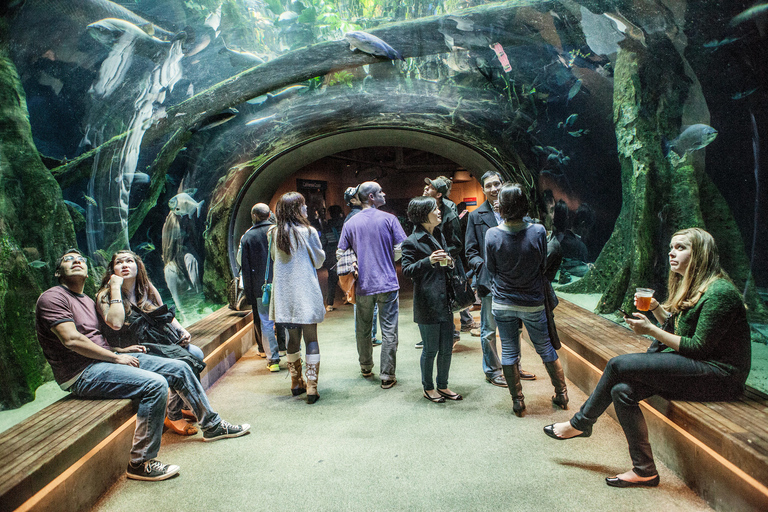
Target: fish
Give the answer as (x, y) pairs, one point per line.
(75, 207)
(717, 44)
(753, 12)
(183, 204)
(574, 90)
(38, 264)
(692, 139)
(135, 177)
(600, 32)
(553, 154)
(571, 119)
(109, 30)
(241, 59)
(145, 246)
(368, 43)
(259, 120)
(90, 200)
(213, 20)
(192, 266)
(740, 95)
(216, 120)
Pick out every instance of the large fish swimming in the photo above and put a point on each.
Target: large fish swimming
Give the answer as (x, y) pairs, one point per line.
(371, 44)
(693, 138)
(183, 204)
(110, 31)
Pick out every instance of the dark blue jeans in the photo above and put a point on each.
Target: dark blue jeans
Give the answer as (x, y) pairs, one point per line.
(630, 378)
(438, 341)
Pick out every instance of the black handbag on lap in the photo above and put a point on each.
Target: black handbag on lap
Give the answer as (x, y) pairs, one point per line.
(154, 326)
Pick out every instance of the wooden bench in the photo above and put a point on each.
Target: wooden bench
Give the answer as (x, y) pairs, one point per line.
(68, 454)
(720, 449)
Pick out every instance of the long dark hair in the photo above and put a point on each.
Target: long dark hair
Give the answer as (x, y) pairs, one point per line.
(144, 293)
(289, 215)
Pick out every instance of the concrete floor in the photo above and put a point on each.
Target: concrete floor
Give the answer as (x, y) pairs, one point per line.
(364, 448)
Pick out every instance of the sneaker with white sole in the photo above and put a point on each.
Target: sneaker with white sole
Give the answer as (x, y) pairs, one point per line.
(152, 470)
(273, 367)
(225, 430)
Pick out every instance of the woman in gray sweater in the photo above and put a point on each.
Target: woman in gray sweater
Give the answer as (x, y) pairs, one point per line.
(297, 301)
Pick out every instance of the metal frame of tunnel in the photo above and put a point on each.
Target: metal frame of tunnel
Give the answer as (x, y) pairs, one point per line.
(265, 180)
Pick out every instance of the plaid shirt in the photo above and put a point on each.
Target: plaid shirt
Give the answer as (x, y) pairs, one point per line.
(347, 262)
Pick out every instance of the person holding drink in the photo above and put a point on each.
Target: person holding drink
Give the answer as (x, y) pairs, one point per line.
(427, 263)
(702, 353)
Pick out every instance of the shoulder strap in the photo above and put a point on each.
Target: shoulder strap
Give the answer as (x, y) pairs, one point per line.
(269, 256)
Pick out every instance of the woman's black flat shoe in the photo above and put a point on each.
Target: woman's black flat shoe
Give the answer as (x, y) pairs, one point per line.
(550, 431)
(450, 396)
(438, 400)
(615, 481)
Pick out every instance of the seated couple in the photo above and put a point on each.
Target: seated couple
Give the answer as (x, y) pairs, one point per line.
(84, 363)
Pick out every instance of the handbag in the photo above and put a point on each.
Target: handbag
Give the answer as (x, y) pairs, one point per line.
(266, 288)
(549, 305)
(154, 326)
(236, 299)
(347, 285)
(462, 296)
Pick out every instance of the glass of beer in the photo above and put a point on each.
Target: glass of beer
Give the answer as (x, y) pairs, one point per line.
(644, 296)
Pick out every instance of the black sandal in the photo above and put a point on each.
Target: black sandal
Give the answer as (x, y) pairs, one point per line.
(438, 400)
(450, 396)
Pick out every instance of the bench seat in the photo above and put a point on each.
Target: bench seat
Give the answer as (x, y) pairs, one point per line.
(37, 451)
(735, 431)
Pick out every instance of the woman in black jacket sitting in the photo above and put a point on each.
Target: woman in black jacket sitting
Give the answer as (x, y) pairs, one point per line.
(428, 264)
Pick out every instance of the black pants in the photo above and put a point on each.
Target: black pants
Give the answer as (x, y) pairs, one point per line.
(630, 378)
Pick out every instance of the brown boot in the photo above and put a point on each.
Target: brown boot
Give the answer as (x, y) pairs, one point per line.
(512, 374)
(313, 368)
(297, 382)
(556, 375)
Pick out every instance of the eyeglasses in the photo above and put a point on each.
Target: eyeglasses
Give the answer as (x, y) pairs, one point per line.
(76, 259)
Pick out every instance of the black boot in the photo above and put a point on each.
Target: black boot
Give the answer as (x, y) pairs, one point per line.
(512, 375)
(556, 375)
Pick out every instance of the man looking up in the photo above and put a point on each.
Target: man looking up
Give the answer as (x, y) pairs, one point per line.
(375, 237)
(83, 363)
(485, 217)
(254, 252)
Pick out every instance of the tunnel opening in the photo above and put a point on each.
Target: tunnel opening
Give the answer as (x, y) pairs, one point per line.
(399, 159)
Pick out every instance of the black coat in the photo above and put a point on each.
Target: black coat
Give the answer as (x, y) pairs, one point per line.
(254, 251)
(480, 221)
(430, 291)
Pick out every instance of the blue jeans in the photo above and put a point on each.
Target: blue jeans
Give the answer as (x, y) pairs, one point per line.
(375, 318)
(149, 384)
(509, 323)
(388, 315)
(466, 317)
(491, 363)
(268, 330)
(438, 341)
(175, 403)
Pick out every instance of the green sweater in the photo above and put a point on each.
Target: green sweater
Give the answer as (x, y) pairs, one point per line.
(716, 331)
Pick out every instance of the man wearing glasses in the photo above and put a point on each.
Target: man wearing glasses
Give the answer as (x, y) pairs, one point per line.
(83, 363)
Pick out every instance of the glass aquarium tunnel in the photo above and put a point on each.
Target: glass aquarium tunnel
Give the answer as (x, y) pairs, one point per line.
(155, 125)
